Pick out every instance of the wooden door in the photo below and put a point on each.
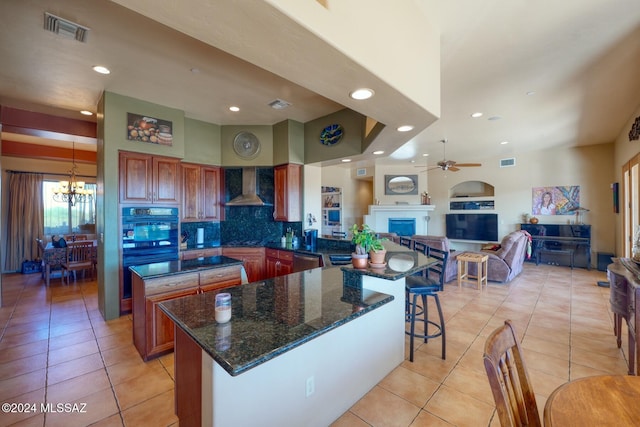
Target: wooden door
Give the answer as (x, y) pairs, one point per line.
(135, 177)
(166, 180)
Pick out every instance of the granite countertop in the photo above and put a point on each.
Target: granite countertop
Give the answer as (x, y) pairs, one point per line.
(207, 245)
(272, 316)
(178, 267)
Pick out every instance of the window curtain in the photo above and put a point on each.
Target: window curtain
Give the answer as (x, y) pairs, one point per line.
(25, 221)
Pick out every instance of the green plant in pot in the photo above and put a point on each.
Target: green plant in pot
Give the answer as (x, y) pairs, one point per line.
(367, 244)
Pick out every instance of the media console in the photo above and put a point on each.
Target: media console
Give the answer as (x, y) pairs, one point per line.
(574, 239)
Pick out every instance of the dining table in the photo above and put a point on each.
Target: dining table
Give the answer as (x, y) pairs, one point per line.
(603, 400)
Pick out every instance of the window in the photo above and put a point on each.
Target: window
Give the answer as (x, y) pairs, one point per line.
(62, 218)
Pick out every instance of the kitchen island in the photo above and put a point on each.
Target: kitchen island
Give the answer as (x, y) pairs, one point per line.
(300, 349)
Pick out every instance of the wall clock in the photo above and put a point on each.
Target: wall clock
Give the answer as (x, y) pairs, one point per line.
(331, 135)
(246, 145)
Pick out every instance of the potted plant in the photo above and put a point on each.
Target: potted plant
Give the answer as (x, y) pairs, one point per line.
(367, 244)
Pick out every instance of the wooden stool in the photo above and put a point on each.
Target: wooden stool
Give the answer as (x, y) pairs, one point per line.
(482, 265)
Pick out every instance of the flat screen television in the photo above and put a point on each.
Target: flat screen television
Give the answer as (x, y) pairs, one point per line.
(334, 216)
(481, 227)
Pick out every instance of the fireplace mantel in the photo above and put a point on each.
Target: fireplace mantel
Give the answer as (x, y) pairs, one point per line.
(378, 217)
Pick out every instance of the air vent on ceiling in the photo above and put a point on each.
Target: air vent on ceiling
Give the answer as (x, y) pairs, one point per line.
(279, 104)
(65, 28)
(506, 163)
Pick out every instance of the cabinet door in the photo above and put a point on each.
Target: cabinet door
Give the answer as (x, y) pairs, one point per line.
(210, 194)
(135, 177)
(166, 180)
(252, 259)
(191, 210)
(271, 267)
(160, 332)
(200, 253)
(287, 205)
(219, 278)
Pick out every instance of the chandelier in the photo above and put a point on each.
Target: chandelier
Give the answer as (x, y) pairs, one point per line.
(72, 191)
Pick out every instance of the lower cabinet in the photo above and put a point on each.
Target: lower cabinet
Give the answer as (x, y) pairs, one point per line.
(252, 259)
(278, 263)
(153, 331)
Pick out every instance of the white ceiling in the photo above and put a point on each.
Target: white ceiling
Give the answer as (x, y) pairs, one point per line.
(580, 57)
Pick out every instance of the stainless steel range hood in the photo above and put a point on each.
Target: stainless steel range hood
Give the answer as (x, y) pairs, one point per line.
(249, 196)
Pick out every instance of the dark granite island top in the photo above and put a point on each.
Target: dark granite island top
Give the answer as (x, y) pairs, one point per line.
(169, 268)
(271, 317)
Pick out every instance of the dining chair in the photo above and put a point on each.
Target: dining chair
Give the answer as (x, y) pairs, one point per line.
(75, 237)
(79, 257)
(509, 380)
(426, 284)
(405, 241)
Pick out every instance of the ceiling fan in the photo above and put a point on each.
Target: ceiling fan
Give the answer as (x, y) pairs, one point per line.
(450, 165)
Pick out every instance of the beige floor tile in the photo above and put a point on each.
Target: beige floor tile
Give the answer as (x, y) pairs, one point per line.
(85, 411)
(448, 403)
(349, 419)
(426, 419)
(73, 368)
(144, 387)
(409, 385)
(157, 411)
(71, 352)
(16, 386)
(75, 388)
(380, 407)
(32, 417)
(72, 338)
(471, 382)
(22, 366)
(561, 351)
(130, 369)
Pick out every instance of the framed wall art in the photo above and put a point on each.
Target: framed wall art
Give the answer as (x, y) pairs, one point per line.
(555, 200)
(149, 129)
(404, 185)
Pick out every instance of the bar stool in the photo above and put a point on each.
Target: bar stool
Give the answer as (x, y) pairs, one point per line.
(481, 261)
(427, 284)
(405, 241)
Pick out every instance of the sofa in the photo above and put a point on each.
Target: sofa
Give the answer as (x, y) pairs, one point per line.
(505, 259)
(442, 243)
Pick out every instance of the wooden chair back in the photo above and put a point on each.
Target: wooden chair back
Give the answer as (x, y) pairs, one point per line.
(405, 241)
(79, 252)
(75, 237)
(509, 380)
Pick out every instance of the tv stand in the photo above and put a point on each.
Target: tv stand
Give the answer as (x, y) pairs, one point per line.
(566, 244)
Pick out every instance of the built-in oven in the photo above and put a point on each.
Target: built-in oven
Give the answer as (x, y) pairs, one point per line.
(148, 235)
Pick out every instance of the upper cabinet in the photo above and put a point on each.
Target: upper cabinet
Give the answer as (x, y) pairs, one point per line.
(149, 179)
(201, 193)
(287, 181)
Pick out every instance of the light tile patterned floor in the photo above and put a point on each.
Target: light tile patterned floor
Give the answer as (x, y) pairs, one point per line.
(56, 348)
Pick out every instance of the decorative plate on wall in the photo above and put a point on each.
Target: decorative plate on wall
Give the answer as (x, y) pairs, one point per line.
(331, 135)
(246, 145)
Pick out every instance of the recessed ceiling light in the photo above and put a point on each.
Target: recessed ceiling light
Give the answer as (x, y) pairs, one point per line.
(531, 93)
(412, 161)
(425, 155)
(504, 142)
(378, 152)
(234, 108)
(476, 115)
(362, 93)
(346, 160)
(86, 113)
(493, 118)
(405, 128)
(195, 70)
(102, 70)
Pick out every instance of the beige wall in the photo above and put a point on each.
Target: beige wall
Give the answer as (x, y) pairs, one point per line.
(590, 167)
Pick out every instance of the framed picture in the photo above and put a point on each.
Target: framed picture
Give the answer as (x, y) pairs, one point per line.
(149, 129)
(555, 200)
(403, 185)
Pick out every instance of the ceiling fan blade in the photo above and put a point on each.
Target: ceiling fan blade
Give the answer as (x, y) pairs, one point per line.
(453, 168)
(468, 165)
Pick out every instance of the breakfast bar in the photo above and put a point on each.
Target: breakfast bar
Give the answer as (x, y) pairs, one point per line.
(300, 349)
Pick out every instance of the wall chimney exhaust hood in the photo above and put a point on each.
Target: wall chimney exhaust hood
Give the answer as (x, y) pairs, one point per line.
(249, 196)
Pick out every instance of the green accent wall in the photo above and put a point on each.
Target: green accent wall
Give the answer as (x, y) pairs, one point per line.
(351, 144)
(202, 142)
(288, 142)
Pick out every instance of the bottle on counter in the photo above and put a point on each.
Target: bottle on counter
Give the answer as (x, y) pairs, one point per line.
(223, 307)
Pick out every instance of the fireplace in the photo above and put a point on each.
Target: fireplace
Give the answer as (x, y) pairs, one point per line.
(402, 226)
(379, 216)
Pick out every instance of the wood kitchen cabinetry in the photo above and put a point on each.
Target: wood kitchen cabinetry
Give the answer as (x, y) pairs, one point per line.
(278, 263)
(201, 192)
(200, 253)
(287, 205)
(153, 332)
(252, 259)
(149, 179)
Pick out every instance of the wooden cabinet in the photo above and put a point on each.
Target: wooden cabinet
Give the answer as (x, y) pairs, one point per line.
(153, 331)
(201, 192)
(200, 253)
(149, 179)
(287, 181)
(252, 259)
(278, 262)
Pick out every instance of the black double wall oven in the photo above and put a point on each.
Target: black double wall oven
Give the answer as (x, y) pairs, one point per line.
(149, 235)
